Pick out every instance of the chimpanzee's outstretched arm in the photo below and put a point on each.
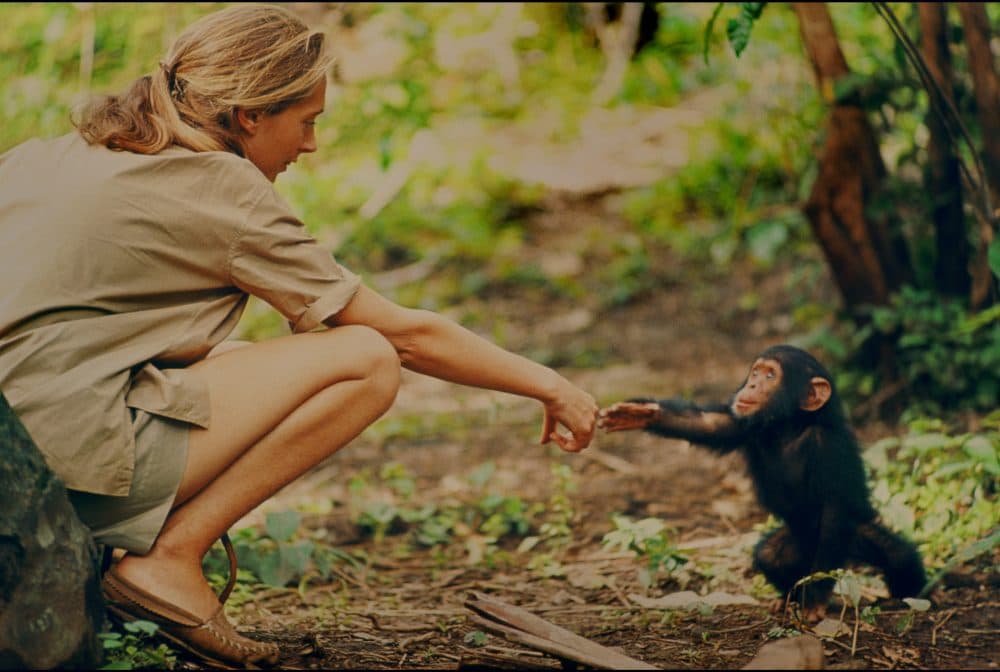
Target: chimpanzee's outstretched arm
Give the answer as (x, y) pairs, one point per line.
(713, 426)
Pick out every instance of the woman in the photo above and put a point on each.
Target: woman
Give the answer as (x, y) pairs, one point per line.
(128, 250)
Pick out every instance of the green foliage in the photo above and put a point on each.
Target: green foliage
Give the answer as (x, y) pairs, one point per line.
(948, 358)
(556, 528)
(476, 638)
(716, 207)
(54, 53)
(133, 648)
(737, 29)
(780, 632)
(939, 488)
(649, 539)
(663, 70)
(481, 524)
(277, 557)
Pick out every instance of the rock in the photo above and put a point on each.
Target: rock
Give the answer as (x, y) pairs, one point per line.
(803, 652)
(50, 601)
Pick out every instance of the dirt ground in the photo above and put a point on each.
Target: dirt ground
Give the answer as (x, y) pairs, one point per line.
(405, 608)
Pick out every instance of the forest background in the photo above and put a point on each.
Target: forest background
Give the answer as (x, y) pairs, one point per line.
(691, 156)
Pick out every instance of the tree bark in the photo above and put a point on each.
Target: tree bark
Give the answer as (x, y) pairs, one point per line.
(942, 180)
(866, 253)
(987, 91)
(987, 88)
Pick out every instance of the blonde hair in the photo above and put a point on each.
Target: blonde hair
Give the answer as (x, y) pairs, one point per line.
(250, 57)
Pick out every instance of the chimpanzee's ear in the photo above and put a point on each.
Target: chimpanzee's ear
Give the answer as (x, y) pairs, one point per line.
(819, 394)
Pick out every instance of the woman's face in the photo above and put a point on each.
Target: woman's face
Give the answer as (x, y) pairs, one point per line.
(273, 141)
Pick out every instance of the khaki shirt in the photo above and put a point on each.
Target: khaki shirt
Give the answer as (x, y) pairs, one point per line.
(118, 270)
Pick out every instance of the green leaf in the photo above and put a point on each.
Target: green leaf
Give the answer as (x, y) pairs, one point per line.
(993, 257)
(738, 29)
(851, 589)
(766, 238)
(983, 451)
(281, 526)
(917, 604)
(296, 557)
(279, 568)
(146, 627)
(923, 443)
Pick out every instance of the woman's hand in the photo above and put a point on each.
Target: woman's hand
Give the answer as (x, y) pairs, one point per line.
(574, 409)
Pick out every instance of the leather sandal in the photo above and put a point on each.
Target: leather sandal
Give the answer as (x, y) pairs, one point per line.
(214, 640)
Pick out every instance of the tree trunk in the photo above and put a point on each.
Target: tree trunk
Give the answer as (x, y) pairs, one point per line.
(864, 248)
(50, 602)
(942, 180)
(987, 90)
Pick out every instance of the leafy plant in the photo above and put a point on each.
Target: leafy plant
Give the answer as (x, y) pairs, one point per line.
(475, 638)
(648, 539)
(555, 529)
(134, 649)
(277, 557)
(938, 487)
(737, 29)
(947, 358)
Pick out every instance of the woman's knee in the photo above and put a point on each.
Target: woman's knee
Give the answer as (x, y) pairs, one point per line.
(376, 359)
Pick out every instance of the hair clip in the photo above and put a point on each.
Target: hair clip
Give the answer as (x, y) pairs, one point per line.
(174, 85)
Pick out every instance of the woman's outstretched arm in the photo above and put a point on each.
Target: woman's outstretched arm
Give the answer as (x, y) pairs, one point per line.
(432, 344)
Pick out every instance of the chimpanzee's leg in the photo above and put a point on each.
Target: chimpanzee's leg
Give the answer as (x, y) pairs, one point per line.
(781, 558)
(897, 557)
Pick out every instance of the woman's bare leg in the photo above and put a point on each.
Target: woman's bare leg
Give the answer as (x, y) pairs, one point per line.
(278, 409)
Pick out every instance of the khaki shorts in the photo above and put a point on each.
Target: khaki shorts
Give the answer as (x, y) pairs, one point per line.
(134, 521)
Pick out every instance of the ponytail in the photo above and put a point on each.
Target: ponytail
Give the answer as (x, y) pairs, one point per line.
(252, 57)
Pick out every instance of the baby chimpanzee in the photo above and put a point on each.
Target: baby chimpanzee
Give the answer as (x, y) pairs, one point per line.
(806, 467)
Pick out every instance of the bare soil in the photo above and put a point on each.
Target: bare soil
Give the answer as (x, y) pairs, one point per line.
(404, 609)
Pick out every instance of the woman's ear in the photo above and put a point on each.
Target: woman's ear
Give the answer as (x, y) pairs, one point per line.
(819, 393)
(248, 120)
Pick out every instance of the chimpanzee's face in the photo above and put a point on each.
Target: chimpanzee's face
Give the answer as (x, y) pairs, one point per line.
(762, 383)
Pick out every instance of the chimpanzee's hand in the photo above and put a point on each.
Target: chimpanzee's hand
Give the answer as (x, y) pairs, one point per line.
(628, 415)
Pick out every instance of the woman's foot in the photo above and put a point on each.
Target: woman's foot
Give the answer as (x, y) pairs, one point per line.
(175, 580)
(188, 612)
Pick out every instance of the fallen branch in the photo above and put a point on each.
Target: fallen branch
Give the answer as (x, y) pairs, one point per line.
(939, 625)
(520, 626)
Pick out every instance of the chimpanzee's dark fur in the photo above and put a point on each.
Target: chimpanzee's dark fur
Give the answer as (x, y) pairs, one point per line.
(807, 470)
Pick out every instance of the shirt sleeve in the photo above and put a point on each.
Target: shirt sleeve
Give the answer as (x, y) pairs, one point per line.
(275, 258)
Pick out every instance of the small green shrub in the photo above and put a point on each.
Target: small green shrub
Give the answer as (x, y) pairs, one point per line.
(134, 649)
(948, 358)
